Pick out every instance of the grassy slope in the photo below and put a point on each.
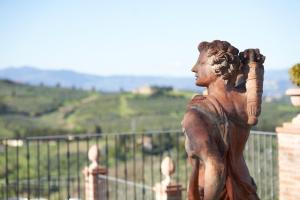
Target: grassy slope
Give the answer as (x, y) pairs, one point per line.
(22, 107)
(274, 114)
(28, 110)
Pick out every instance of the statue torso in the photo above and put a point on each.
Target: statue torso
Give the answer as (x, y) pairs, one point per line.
(231, 135)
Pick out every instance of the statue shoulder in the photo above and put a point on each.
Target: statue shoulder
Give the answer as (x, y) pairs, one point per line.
(197, 100)
(202, 104)
(196, 111)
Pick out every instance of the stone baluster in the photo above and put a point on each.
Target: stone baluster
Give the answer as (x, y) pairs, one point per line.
(95, 187)
(167, 189)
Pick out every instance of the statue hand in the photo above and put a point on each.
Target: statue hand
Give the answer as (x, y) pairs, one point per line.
(252, 55)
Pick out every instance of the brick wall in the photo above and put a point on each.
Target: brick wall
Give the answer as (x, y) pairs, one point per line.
(289, 162)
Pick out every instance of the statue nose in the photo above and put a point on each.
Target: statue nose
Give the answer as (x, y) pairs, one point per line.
(194, 69)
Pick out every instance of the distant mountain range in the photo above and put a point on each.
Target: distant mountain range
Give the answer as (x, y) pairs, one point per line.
(276, 81)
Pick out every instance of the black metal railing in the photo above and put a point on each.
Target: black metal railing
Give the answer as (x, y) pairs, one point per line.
(261, 155)
(50, 166)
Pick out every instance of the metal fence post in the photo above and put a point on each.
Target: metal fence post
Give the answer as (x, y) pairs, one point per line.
(95, 187)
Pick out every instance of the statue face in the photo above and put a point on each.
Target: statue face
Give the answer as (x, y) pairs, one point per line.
(203, 71)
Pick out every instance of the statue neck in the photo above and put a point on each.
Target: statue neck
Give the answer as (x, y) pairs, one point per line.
(219, 89)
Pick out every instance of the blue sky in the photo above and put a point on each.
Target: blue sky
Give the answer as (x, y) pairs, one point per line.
(142, 37)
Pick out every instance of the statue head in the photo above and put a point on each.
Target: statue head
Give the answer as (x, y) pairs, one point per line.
(218, 59)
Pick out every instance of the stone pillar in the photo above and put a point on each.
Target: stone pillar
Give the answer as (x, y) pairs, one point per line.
(289, 159)
(94, 186)
(167, 189)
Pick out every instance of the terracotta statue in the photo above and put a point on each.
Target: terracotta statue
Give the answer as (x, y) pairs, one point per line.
(217, 125)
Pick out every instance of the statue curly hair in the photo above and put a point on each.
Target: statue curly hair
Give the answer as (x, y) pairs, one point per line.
(223, 57)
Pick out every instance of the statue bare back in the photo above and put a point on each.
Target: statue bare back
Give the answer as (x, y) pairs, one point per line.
(218, 124)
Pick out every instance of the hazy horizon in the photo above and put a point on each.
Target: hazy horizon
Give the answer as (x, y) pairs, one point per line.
(191, 75)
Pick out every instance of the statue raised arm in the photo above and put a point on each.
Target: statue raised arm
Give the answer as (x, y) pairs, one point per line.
(217, 125)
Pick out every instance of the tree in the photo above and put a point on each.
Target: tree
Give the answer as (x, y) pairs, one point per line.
(295, 74)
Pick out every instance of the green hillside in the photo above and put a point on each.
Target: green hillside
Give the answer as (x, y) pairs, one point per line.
(39, 110)
(23, 107)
